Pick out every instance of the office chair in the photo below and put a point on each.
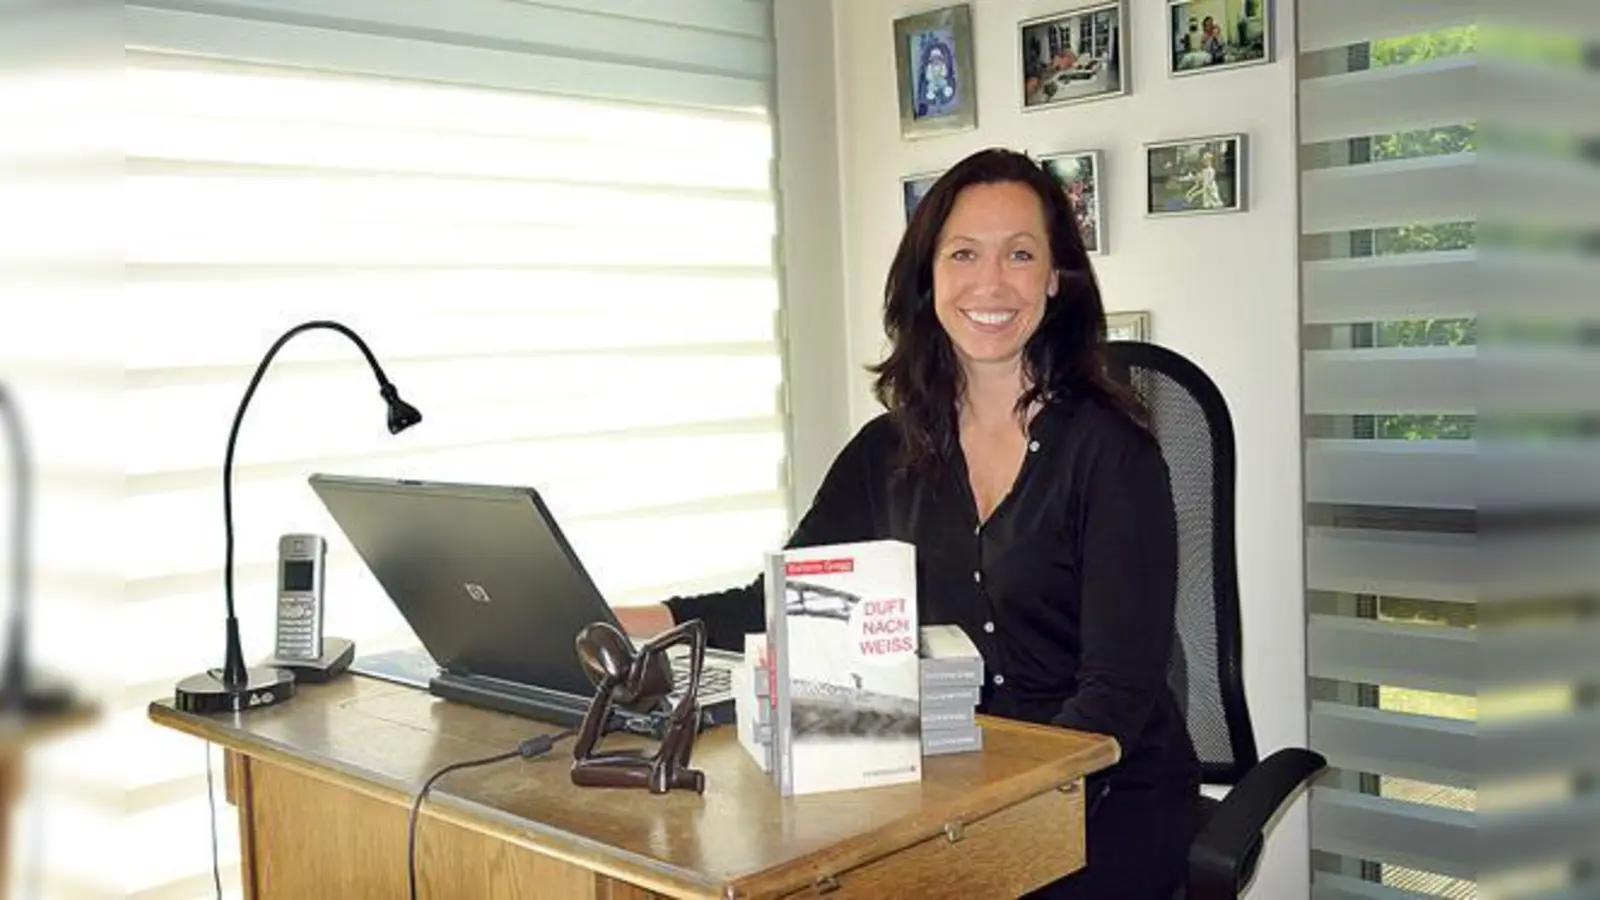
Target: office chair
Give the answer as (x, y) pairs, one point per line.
(1191, 423)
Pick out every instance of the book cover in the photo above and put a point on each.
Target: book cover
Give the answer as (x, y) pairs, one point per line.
(844, 679)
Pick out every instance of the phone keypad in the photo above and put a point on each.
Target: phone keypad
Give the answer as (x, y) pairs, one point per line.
(297, 628)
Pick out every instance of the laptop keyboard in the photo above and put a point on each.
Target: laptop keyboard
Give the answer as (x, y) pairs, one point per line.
(713, 679)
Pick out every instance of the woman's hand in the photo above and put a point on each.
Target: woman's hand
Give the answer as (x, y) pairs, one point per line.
(644, 621)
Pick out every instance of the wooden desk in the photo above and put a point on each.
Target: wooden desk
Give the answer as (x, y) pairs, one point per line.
(323, 784)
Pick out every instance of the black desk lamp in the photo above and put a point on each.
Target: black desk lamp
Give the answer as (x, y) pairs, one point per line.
(236, 687)
(22, 691)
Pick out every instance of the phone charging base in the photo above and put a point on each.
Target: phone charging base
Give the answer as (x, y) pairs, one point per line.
(337, 654)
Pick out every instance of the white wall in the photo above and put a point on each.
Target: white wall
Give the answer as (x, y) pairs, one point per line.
(1222, 289)
(812, 251)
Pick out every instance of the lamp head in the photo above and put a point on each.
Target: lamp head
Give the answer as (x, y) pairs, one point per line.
(402, 415)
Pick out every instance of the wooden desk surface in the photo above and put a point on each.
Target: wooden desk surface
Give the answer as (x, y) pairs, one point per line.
(739, 838)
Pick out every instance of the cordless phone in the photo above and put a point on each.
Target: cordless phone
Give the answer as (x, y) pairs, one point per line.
(300, 578)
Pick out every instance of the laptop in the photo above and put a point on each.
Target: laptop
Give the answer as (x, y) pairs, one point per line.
(490, 585)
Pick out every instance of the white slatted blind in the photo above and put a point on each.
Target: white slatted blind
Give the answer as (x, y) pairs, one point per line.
(1449, 382)
(554, 222)
(59, 346)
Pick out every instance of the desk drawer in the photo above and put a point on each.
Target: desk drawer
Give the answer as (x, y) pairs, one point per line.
(1004, 855)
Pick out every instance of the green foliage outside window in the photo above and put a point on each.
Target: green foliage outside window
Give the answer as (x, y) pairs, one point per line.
(1443, 141)
(1417, 48)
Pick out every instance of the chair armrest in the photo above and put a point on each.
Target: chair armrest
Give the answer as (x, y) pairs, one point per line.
(1223, 856)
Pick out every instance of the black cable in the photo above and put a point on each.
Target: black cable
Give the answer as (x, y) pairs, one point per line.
(211, 798)
(528, 749)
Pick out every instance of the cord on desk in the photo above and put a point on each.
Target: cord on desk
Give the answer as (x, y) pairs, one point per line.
(211, 798)
(528, 749)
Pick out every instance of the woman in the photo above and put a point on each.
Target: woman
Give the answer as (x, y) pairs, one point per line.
(1037, 501)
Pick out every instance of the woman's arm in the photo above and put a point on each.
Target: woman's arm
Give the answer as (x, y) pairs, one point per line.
(1130, 583)
(728, 615)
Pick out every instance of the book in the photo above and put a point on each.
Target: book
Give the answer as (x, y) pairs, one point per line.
(843, 668)
(751, 714)
(949, 658)
(939, 741)
(939, 696)
(954, 717)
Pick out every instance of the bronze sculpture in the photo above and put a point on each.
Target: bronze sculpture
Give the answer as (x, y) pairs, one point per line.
(639, 682)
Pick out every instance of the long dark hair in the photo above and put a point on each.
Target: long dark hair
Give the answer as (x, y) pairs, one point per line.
(921, 381)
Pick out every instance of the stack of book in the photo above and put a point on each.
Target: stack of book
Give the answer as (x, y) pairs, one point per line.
(952, 678)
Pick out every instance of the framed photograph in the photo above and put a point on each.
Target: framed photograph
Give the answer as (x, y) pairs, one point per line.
(1079, 174)
(937, 81)
(1198, 175)
(1128, 326)
(1072, 56)
(913, 188)
(1207, 35)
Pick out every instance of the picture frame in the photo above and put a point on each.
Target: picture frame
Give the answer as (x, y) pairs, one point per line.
(1073, 56)
(1212, 35)
(1128, 326)
(1081, 174)
(913, 188)
(935, 75)
(1196, 176)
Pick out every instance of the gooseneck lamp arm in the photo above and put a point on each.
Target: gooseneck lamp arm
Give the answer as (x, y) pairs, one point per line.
(401, 416)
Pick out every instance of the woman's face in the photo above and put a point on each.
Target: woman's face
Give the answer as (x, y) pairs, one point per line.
(992, 273)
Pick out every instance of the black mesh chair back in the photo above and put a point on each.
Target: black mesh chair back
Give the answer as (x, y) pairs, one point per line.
(1191, 422)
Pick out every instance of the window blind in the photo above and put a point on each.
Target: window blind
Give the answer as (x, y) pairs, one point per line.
(59, 362)
(553, 222)
(1449, 385)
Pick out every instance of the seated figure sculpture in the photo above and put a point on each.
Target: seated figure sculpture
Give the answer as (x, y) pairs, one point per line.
(639, 682)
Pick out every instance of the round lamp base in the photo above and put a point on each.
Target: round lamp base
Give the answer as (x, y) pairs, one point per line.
(207, 693)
